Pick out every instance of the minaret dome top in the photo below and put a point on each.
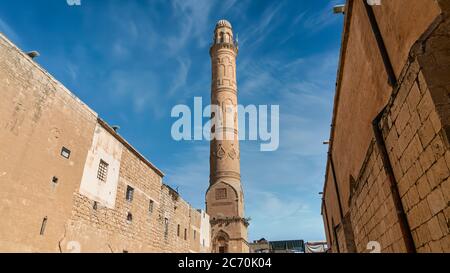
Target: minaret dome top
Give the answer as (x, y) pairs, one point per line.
(223, 23)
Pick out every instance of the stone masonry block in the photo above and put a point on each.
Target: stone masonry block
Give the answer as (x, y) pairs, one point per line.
(413, 196)
(422, 83)
(436, 201)
(403, 118)
(438, 173)
(445, 187)
(435, 228)
(425, 106)
(423, 187)
(414, 96)
(427, 158)
(426, 133)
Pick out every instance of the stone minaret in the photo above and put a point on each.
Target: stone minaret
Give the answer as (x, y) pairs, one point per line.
(225, 198)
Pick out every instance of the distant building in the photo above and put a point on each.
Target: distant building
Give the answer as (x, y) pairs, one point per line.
(289, 246)
(260, 246)
(316, 247)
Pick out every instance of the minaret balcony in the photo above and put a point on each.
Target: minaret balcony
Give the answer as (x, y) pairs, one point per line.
(218, 45)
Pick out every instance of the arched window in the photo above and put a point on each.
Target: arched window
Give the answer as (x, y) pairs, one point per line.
(222, 70)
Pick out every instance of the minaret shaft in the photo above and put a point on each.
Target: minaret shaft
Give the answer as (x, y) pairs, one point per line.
(224, 198)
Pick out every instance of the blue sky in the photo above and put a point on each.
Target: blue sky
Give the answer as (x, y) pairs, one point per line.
(132, 61)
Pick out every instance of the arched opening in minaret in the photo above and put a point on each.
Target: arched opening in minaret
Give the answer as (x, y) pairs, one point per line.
(221, 242)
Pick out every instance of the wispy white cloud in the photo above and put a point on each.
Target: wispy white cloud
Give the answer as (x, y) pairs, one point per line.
(189, 171)
(191, 18)
(8, 31)
(72, 70)
(268, 21)
(138, 88)
(321, 19)
(181, 76)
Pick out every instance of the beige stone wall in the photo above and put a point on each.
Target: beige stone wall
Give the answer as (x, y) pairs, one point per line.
(415, 130)
(82, 212)
(373, 214)
(104, 229)
(39, 116)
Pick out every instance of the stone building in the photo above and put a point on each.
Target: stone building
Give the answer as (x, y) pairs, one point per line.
(71, 183)
(387, 183)
(225, 197)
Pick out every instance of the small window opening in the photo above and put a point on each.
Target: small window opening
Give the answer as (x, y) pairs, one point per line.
(129, 195)
(65, 152)
(43, 225)
(102, 173)
(150, 206)
(166, 227)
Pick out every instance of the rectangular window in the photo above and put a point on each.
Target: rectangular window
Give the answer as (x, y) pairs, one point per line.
(150, 206)
(166, 227)
(102, 173)
(185, 233)
(195, 234)
(65, 152)
(178, 230)
(129, 195)
(221, 194)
